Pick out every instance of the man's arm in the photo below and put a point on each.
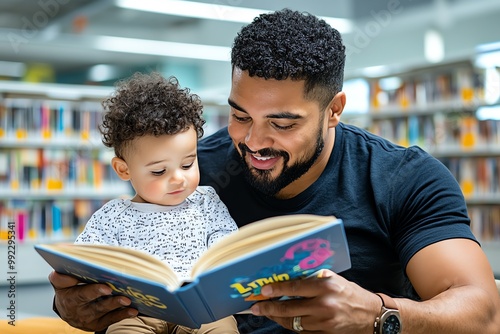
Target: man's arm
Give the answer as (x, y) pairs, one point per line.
(88, 307)
(453, 278)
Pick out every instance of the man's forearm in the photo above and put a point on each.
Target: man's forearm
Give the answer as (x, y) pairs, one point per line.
(458, 310)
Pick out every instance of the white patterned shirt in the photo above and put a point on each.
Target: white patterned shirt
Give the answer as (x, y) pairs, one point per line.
(177, 235)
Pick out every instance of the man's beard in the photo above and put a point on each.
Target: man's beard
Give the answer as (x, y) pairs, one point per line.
(262, 180)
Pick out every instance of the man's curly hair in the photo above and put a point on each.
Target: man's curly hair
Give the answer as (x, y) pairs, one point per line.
(148, 104)
(290, 44)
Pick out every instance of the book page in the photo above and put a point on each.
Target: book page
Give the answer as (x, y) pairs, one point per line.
(124, 260)
(256, 236)
(248, 239)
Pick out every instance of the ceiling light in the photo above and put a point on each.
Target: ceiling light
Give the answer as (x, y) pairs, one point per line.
(376, 71)
(433, 46)
(214, 11)
(162, 48)
(488, 47)
(56, 90)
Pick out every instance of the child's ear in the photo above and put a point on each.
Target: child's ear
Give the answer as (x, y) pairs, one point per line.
(121, 168)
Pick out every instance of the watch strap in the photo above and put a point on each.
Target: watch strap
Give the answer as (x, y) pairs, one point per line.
(387, 301)
(389, 306)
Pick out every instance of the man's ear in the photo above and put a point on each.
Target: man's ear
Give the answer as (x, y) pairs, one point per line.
(335, 109)
(121, 168)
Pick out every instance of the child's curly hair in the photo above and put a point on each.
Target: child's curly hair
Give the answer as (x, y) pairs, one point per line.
(148, 104)
(290, 44)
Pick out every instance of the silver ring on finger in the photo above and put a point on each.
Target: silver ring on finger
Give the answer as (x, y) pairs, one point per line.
(297, 324)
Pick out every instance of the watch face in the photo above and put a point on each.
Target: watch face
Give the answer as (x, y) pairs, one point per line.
(391, 325)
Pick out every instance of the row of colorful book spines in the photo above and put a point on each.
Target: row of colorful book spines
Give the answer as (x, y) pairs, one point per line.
(53, 221)
(485, 222)
(462, 84)
(47, 123)
(32, 178)
(34, 220)
(478, 176)
(21, 135)
(465, 132)
(404, 100)
(69, 169)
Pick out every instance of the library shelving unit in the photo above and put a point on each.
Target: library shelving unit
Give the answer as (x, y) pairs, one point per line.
(436, 107)
(54, 170)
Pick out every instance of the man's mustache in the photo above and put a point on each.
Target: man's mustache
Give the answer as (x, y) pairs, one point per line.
(265, 152)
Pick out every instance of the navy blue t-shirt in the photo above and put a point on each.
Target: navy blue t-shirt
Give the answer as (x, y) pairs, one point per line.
(393, 201)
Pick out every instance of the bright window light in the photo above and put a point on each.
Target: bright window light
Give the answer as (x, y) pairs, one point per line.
(162, 48)
(390, 83)
(488, 112)
(102, 72)
(213, 11)
(489, 59)
(358, 96)
(491, 85)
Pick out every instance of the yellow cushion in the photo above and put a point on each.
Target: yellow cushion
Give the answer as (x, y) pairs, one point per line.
(42, 325)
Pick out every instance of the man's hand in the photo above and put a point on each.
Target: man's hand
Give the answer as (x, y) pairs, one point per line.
(330, 304)
(453, 277)
(89, 307)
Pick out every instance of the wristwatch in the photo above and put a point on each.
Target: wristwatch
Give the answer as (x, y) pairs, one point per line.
(388, 321)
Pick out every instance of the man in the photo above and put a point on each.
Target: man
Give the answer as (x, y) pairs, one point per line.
(415, 264)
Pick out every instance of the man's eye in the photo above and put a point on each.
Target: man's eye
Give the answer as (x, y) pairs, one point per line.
(283, 127)
(241, 119)
(158, 173)
(187, 166)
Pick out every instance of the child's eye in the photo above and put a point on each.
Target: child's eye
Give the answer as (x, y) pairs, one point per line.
(158, 173)
(185, 167)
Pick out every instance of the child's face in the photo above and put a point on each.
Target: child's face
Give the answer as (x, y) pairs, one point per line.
(163, 170)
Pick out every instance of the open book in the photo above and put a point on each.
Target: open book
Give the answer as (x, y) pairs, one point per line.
(225, 280)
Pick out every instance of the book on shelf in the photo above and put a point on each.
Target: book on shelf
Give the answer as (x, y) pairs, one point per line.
(47, 219)
(453, 83)
(226, 279)
(55, 169)
(47, 119)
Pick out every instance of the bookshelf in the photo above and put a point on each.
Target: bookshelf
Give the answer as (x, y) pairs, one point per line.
(54, 170)
(437, 108)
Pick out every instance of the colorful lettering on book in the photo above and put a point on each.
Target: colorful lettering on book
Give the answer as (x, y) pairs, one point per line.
(300, 260)
(137, 295)
(83, 275)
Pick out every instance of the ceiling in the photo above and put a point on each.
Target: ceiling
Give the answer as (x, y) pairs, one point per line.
(62, 34)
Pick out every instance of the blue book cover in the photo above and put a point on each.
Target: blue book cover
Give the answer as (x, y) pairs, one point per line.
(227, 279)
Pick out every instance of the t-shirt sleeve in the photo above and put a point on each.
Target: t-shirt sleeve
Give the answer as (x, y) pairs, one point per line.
(431, 205)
